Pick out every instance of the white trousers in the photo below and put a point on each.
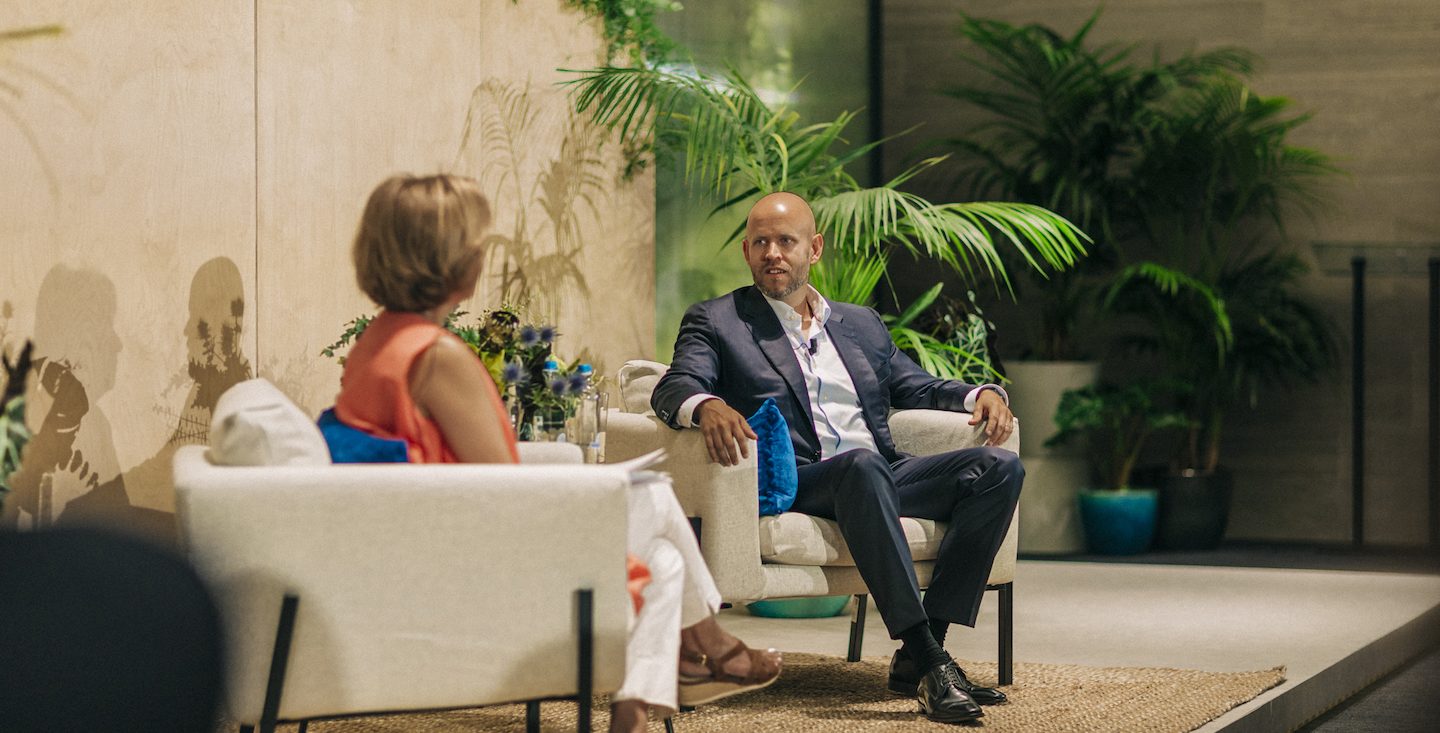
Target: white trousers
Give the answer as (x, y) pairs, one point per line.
(681, 593)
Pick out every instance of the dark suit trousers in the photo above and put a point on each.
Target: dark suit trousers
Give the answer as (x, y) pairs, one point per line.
(975, 490)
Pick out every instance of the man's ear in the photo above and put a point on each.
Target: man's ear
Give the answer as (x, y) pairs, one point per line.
(817, 245)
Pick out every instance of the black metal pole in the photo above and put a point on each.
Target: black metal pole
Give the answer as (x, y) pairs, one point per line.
(1433, 434)
(876, 52)
(1357, 400)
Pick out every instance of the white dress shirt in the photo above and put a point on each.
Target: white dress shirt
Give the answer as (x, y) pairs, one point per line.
(834, 403)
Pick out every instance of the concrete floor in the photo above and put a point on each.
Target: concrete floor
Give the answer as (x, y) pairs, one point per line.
(1209, 618)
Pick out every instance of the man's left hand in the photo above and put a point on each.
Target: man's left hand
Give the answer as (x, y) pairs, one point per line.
(999, 421)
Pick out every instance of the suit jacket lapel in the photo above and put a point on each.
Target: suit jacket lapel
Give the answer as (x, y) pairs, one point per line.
(867, 385)
(770, 336)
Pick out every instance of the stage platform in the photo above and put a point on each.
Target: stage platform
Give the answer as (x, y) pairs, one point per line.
(1335, 631)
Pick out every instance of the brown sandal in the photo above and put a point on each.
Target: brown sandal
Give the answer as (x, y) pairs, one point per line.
(698, 690)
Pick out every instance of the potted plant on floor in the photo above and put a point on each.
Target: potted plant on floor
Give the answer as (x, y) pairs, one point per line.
(1218, 305)
(1059, 123)
(1113, 423)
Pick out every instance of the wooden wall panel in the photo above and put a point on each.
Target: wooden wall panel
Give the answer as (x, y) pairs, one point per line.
(348, 93)
(575, 234)
(351, 92)
(182, 181)
(127, 222)
(1370, 73)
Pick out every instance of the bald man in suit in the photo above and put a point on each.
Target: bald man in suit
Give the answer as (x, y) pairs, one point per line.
(835, 373)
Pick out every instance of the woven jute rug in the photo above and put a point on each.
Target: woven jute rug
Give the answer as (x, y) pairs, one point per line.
(824, 693)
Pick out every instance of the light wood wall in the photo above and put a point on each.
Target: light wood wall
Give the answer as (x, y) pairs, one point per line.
(182, 180)
(1371, 74)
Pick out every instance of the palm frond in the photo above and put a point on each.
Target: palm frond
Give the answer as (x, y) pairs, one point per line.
(1180, 290)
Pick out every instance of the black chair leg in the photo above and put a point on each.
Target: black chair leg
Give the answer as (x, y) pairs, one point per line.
(247, 729)
(857, 628)
(304, 726)
(1007, 633)
(279, 659)
(585, 628)
(669, 725)
(532, 716)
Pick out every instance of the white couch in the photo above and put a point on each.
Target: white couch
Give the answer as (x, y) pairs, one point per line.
(419, 586)
(792, 554)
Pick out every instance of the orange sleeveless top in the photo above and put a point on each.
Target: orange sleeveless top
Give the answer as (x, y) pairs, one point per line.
(375, 387)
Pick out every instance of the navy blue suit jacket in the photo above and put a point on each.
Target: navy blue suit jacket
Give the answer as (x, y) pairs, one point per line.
(735, 348)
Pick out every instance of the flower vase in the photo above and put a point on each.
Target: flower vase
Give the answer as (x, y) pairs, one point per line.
(548, 425)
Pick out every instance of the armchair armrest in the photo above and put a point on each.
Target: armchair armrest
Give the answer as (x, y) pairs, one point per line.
(924, 432)
(725, 498)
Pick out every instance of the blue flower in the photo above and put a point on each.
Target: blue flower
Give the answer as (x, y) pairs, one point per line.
(514, 372)
(557, 386)
(578, 382)
(547, 334)
(530, 337)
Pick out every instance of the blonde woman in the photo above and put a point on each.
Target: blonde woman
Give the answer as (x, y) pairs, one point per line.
(417, 254)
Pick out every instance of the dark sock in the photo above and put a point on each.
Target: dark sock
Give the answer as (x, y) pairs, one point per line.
(938, 629)
(920, 645)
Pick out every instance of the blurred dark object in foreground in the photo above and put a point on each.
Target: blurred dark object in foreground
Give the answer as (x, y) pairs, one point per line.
(100, 632)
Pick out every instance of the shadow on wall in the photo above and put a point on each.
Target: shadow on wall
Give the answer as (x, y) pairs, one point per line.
(70, 473)
(503, 118)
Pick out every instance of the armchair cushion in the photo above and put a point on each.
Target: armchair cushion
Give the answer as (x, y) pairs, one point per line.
(776, 458)
(800, 539)
(255, 424)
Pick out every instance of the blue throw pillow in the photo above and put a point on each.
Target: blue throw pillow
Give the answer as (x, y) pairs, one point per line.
(776, 457)
(349, 445)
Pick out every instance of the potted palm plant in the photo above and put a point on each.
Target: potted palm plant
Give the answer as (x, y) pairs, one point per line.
(1217, 306)
(1113, 423)
(1060, 120)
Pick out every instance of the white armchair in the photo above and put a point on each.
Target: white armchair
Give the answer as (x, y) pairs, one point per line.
(792, 554)
(393, 587)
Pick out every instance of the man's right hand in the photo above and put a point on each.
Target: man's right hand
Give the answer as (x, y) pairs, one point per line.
(727, 434)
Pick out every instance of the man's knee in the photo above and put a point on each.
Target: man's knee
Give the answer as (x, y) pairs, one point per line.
(865, 463)
(865, 473)
(1006, 466)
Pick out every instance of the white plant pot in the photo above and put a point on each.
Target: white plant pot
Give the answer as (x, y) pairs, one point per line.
(1054, 477)
(1035, 388)
(1050, 505)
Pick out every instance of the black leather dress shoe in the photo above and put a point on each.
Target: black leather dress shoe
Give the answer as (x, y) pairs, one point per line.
(941, 698)
(905, 677)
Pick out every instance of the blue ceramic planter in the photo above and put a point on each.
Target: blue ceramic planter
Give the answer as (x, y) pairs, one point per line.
(1119, 522)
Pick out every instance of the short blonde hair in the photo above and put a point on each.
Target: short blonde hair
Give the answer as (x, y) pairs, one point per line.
(419, 240)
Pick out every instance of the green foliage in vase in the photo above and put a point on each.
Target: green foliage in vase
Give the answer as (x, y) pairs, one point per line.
(1115, 422)
(513, 352)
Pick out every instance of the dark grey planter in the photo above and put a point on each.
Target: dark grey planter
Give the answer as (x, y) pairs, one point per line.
(1194, 509)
